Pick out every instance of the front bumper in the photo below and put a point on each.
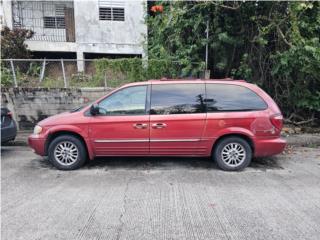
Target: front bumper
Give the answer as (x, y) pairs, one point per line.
(269, 147)
(37, 143)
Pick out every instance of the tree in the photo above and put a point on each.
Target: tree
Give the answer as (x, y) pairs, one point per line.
(272, 44)
(13, 43)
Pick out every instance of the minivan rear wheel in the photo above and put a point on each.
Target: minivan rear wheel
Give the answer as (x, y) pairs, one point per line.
(232, 154)
(67, 152)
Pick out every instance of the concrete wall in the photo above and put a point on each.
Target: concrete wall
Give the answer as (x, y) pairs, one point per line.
(96, 36)
(7, 12)
(31, 105)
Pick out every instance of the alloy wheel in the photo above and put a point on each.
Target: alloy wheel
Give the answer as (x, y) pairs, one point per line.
(66, 153)
(233, 154)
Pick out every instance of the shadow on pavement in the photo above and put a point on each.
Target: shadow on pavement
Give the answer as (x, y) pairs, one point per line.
(143, 163)
(266, 163)
(158, 163)
(41, 163)
(172, 162)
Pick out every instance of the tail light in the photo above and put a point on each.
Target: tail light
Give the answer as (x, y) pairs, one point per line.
(9, 114)
(277, 120)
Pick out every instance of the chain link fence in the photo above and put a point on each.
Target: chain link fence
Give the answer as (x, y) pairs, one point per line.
(72, 73)
(51, 73)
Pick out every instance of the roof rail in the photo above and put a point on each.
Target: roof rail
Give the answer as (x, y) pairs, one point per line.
(200, 79)
(178, 79)
(223, 79)
(227, 79)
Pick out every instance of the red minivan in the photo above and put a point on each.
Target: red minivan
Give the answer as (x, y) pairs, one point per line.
(231, 121)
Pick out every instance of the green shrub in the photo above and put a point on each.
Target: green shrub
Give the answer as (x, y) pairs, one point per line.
(119, 71)
(6, 77)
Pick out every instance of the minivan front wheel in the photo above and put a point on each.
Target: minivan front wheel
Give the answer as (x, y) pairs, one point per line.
(67, 152)
(232, 154)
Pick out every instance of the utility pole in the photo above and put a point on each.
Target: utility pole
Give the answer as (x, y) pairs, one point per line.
(207, 71)
(207, 47)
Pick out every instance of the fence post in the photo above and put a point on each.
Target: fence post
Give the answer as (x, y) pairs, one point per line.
(13, 73)
(64, 74)
(42, 70)
(105, 79)
(206, 74)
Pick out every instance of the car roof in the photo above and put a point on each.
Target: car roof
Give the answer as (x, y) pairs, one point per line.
(186, 81)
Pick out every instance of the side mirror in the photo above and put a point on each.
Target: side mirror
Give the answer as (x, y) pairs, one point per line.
(94, 109)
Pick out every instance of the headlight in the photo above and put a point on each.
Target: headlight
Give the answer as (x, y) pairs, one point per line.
(37, 129)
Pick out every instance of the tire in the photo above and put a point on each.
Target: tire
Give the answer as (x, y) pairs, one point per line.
(67, 152)
(232, 154)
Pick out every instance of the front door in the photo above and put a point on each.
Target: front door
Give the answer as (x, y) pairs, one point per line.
(122, 127)
(177, 119)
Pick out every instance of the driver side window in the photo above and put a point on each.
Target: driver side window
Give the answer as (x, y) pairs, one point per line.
(128, 101)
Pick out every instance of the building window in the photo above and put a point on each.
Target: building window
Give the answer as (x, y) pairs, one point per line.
(54, 22)
(111, 14)
(50, 20)
(57, 20)
(111, 10)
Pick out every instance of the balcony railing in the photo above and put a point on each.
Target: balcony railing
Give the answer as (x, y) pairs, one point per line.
(49, 20)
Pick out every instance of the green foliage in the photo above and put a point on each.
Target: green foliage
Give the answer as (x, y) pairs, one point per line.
(298, 71)
(272, 44)
(13, 43)
(52, 83)
(244, 70)
(83, 80)
(12, 47)
(135, 69)
(6, 77)
(34, 69)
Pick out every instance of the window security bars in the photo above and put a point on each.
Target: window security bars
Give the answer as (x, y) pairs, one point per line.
(110, 10)
(46, 18)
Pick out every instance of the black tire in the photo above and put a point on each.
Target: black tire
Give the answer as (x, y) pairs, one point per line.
(81, 156)
(245, 161)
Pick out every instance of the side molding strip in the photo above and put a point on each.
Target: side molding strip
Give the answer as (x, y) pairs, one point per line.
(144, 140)
(120, 140)
(175, 140)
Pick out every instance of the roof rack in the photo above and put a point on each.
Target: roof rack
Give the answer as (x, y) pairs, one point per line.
(227, 79)
(200, 79)
(179, 79)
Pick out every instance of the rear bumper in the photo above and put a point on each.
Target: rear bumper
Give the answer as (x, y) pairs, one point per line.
(9, 132)
(269, 147)
(37, 144)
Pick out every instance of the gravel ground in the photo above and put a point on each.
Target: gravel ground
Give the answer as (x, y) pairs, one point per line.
(161, 198)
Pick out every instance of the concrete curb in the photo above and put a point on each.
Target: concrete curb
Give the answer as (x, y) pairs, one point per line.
(303, 140)
(299, 140)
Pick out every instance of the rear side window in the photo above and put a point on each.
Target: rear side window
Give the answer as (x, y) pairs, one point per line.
(177, 99)
(225, 97)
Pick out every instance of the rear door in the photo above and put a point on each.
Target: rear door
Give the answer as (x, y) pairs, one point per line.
(177, 119)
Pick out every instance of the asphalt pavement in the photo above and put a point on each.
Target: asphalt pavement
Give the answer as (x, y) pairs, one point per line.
(160, 198)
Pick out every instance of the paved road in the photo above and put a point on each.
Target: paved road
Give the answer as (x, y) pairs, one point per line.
(161, 198)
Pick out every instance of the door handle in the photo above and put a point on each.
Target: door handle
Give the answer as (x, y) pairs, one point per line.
(159, 125)
(140, 125)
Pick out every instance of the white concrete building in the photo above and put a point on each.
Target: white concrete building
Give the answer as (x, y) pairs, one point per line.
(83, 27)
